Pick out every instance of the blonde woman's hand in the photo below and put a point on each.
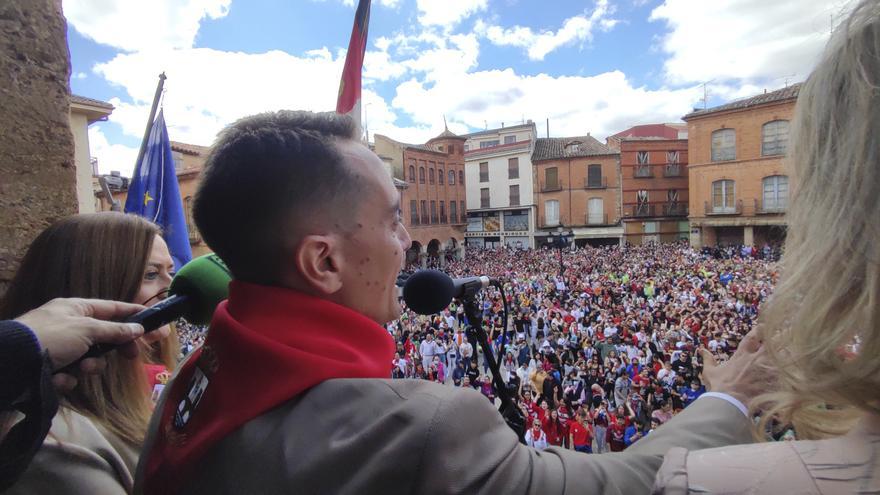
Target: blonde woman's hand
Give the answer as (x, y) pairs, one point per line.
(747, 374)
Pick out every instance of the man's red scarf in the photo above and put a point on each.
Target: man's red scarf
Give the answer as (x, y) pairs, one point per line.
(266, 345)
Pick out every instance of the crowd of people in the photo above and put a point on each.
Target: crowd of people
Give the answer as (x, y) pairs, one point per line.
(603, 353)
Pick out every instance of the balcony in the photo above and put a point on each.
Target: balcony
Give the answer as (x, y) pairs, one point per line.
(769, 207)
(672, 170)
(642, 210)
(675, 210)
(551, 187)
(544, 224)
(643, 172)
(602, 183)
(597, 219)
(736, 209)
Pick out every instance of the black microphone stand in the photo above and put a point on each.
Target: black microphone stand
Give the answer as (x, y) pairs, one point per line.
(512, 415)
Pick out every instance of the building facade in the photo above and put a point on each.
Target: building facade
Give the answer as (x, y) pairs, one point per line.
(738, 187)
(661, 131)
(189, 160)
(577, 188)
(500, 189)
(655, 189)
(83, 113)
(431, 181)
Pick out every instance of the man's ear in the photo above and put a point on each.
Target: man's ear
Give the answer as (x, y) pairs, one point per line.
(319, 262)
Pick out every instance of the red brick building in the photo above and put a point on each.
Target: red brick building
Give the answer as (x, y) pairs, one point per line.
(430, 178)
(655, 189)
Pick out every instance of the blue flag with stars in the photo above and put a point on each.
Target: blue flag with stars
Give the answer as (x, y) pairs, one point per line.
(153, 193)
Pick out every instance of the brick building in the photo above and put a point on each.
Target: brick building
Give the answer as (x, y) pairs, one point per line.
(500, 193)
(654, 180)
(738, 187)
(189, 160)
(431, 179)
(577, 187)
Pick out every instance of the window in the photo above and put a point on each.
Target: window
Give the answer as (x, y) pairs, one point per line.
(595, 211)
(643, 169)
(513, 168)
(573, 147)
(484, 172)
(430, 176)
(594, 175)
(450, 149)
(421, 175)
(723, 145)
(514, 195)
(509, 139)
(413, 212)
(443, 212)
(178, 160)
(722, 196)
(551, 179)
(484, 197)
(462, 211)
(453, 212)
(424, 211)
(452, 177)
(433, 212)
(191, 228)
(489, 144)
(467, 147)
(672, 205)
(412, 174)
(774, 138)
(461, 179)
(551, 212)
(672, 196)
(673, 169)
(642, 206)
(775, 193)
(440, 176)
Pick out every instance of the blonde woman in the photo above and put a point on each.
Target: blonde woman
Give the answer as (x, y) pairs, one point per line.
(95, 439)
(822, 325)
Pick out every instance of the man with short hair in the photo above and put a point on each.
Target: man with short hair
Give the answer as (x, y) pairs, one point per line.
(291, 390)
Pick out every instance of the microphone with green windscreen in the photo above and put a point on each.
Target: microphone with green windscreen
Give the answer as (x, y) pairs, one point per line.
(195, 292)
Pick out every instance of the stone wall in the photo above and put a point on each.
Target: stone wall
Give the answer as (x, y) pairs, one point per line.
(37, 173)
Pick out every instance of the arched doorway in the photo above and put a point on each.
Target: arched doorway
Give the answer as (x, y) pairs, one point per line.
(433, 248)
(452, 249)
(412, 255)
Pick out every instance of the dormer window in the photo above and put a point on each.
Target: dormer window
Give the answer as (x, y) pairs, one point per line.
(573, 147)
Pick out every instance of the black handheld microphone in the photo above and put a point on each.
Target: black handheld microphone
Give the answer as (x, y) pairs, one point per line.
(429, 291)
(195, 292)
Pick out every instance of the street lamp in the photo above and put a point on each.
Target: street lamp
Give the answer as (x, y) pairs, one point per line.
(561, 239)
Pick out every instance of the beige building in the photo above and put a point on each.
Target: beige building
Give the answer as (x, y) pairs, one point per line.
(577, 188)
(84, 112)
(500, 192)
(738, 187)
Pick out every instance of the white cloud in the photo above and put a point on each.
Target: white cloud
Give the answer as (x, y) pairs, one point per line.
(744, 39)
(602, 104)
(207, 89)
(538, 44)
(111, 156)
(133, 25)
(448, 13)
(80, 75)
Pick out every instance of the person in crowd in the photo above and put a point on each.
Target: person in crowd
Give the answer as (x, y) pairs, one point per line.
(535, 436)
(104, 417)
(821, 329)
(36, 344)
(553, 428)
(600, 426)
(323, 291)
(580, 435)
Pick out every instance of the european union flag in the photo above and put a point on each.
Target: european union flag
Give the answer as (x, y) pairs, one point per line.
(153, 193)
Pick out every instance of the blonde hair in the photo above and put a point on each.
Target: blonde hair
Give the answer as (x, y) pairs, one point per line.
(822, 324)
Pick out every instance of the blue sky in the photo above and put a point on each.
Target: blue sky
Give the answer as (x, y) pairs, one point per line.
(595, 66)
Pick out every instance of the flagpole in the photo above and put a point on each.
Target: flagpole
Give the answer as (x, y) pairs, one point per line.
(150, 120)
